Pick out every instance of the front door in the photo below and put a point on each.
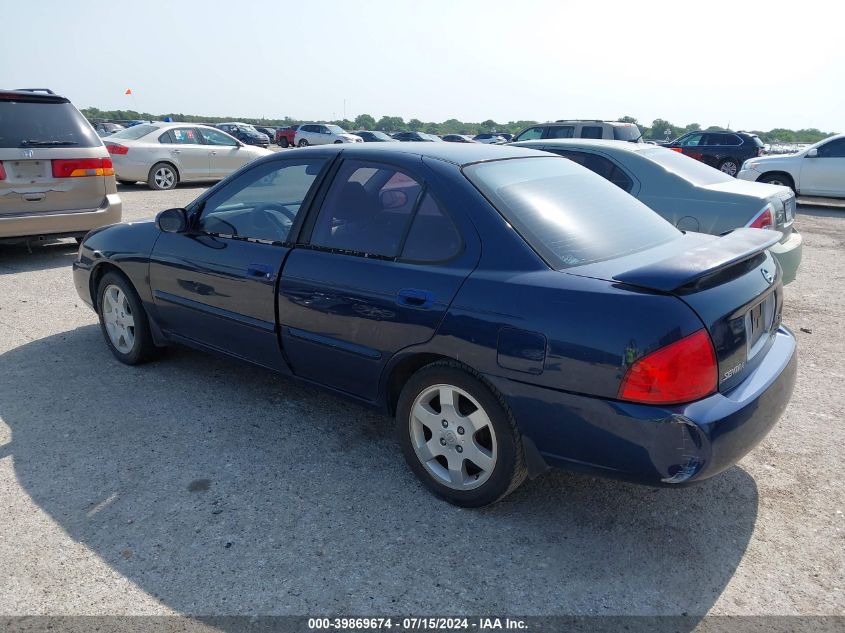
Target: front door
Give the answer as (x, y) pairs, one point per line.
(215, 285)
(824, 175)
(383, 264)
(225, 154)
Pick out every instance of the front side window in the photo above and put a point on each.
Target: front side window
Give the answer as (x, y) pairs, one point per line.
(531, 134)
(561, 131)
(567, 214)
(261, 203)
(834, 149)
(216, 137)
(367, 209)
(591, 131)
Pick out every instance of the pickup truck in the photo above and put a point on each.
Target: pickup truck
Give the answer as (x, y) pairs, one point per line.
(284, 135)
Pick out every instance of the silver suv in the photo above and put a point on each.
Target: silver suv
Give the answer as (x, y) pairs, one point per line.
(582, 128)
(56, 177)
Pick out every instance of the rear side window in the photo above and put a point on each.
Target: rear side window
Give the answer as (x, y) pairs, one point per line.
(433, 236)
(568, 214)
(56, 124)
(367, 209)
(627, 133)
(602, 166)
(561, 131)
(135, 132)
(591, 131)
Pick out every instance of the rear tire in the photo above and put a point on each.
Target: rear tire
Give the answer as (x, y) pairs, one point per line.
(467, 451)
(283, 142)
(162, 177)
(729, 166)
(777, 179)
(303, 143)
(123, 320)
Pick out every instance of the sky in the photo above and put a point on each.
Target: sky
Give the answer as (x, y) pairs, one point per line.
(750, 64)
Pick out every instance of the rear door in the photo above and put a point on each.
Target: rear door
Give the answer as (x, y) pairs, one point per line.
(692, 146)
(187, 151)
(215, 285)
(50, 157)
(824, 175)
(559, 131)
(384, 260)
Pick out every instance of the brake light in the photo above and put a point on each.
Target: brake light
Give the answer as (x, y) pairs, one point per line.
(116, 149)
(680, 150)
(681, 372)
(765, 219)
(2, 172)
(76, 167)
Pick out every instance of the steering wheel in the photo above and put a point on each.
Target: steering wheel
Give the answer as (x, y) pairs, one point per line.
(267, 212)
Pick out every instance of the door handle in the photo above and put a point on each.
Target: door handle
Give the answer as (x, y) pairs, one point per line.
(260, 271)
(177, 151)
(213, 153)
(414, 298)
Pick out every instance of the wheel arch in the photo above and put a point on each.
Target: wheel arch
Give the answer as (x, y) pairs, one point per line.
(97, 273)
(400, 370)
(777, 172)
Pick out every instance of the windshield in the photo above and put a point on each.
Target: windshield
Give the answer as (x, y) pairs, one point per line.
(430, 137)
(382, 136)
(627, 133)
(566, 213)
(334, 129)
(30, 124)
(134, 132)
(687, 168)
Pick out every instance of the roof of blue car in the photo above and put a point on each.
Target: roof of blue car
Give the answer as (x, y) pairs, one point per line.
(457, 153)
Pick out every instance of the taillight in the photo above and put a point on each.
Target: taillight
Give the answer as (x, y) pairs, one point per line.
(680, 150)
(765, 219)
(76, 167)
(681, 372)
(2, 172)
(116, 149)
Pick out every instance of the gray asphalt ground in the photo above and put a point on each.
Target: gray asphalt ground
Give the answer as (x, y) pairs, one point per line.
(198, 485)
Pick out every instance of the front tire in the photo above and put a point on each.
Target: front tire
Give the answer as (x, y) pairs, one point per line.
(162, 177)
(123, 320)
(458, 436)
(777, 179)
(729, 166)
(283, 142)
(303, 143)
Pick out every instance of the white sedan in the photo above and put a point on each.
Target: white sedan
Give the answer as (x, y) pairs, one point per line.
(323, 134)
(818, 170)
(165, 154)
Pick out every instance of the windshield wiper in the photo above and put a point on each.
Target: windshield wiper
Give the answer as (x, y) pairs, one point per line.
(27, 143)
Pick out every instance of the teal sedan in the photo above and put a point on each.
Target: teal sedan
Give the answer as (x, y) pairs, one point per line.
(689, 194)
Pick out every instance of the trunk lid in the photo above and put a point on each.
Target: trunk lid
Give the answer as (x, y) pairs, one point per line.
(731, 282)
(781, 198)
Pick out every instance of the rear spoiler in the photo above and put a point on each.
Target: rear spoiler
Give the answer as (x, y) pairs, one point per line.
(690, 266)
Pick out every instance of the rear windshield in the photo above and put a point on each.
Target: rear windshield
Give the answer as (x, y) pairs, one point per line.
(627, 133)
(687, 168)
(29, 124)
(568, 214)
(134, 132)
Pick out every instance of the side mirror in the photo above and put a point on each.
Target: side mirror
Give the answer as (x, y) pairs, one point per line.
(172, 221)
(813, 153)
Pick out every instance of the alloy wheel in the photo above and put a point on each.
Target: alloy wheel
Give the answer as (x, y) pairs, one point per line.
(453, 437)
(730, 168)
(164, 177)
(118, 318)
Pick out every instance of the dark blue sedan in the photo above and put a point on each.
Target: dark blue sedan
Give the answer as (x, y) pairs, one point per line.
(514, 311)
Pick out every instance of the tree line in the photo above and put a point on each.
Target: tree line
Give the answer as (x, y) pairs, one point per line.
(660, 129)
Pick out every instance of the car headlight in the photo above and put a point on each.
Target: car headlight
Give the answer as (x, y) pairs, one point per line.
(750, 164)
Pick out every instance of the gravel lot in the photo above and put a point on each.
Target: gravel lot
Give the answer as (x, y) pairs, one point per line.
(197, 485)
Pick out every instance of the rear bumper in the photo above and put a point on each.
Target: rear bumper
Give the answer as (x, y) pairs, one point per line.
(788, 255)
(656, 445)
(62, 222)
